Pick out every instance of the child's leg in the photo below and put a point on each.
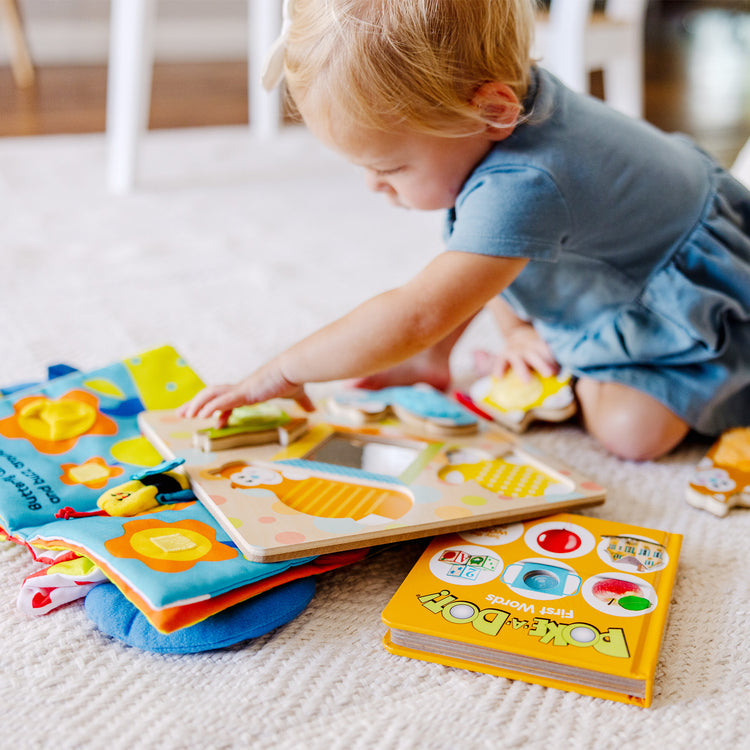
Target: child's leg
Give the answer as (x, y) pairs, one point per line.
(628, 422)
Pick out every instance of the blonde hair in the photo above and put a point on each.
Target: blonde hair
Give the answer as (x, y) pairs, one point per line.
(407, 63)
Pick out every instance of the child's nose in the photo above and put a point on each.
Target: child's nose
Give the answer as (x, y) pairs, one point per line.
(372, 181)
(377, 184)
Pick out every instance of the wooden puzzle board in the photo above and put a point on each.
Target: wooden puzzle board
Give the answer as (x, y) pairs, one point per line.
(342, 486)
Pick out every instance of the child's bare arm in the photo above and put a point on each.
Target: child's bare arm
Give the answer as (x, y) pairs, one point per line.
(381, 332)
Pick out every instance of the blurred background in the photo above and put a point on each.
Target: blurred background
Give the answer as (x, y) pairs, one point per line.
(696, 68)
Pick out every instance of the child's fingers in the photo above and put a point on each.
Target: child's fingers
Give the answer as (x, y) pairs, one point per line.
(547, 359)
(520, 366)
(536, 357)
(543, 364)
(304, 400)
(231, 399)
(223, 402)
(196, 404)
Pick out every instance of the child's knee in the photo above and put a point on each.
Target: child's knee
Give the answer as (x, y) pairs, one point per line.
(629, 423)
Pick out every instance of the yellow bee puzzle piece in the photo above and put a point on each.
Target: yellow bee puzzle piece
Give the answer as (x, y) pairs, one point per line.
(147, 490)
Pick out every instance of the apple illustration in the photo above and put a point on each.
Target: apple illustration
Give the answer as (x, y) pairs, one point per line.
(558, 541)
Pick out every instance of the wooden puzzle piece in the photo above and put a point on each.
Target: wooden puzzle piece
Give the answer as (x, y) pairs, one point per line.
(258, 424)
(515, 403)
(721, 479)
(420, 406)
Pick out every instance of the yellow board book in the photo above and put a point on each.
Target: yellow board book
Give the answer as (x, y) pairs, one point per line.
(565, 601)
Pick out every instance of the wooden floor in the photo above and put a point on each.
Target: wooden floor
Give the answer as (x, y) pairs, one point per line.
(697, 81)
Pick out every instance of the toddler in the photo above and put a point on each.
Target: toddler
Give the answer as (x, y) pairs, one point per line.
(602, 244)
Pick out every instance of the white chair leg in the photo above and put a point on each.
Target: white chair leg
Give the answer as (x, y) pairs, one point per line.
(565, 56)
(264, 107)
(623, 85)
(131, 57)
(741, 167)
(624, 73)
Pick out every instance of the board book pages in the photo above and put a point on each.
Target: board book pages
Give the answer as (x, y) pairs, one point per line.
(565, 601)
(349, 484)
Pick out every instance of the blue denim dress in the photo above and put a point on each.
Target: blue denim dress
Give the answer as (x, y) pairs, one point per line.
(638, 246)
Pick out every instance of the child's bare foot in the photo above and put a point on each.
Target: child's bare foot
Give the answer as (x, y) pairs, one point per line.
(426, 367)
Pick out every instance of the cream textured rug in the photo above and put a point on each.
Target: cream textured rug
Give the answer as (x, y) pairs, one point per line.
(229, 251)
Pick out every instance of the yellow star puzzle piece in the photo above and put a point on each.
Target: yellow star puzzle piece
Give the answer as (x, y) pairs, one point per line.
(515, 403)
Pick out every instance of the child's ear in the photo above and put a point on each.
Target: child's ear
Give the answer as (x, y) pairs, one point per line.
(499, 108)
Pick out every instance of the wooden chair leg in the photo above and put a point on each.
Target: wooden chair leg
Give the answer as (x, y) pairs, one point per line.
(20, 57)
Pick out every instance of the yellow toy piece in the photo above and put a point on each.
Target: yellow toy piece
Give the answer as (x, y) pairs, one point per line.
(56, 420)
(515, 403)
(147, 490)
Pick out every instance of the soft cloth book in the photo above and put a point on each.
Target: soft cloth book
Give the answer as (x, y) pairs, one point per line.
(65, 442)
(565, 601)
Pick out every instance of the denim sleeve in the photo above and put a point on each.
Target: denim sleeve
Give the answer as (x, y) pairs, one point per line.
(510, 212)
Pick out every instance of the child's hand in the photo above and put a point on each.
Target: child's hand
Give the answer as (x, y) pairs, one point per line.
(264, 384)
(525, 351)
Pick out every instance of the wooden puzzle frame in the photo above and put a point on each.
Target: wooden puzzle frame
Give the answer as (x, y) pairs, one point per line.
(278, 502)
